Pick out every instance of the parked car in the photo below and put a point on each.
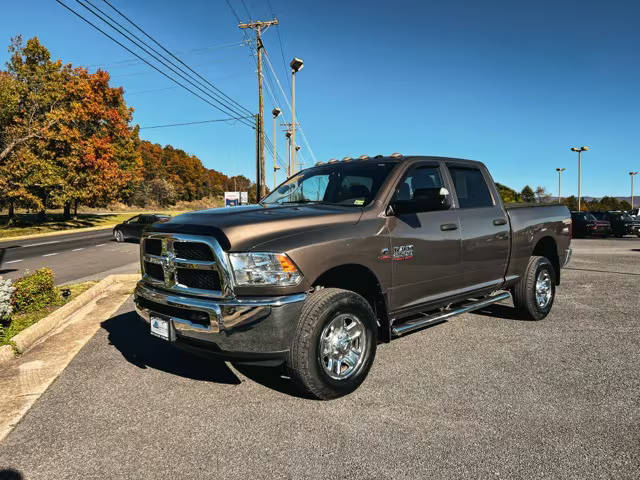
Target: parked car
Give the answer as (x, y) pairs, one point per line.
(621, 222)
(586, 225)
(343, 255)
(132, 229)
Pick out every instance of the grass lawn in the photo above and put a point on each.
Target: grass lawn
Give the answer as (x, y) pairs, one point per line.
(10, 328)
(27, 224)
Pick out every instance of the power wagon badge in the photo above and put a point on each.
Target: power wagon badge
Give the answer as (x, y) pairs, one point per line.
(403, 252)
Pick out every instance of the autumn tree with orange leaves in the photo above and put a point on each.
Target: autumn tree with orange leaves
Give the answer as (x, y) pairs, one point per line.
(64, 133)
(66, 139)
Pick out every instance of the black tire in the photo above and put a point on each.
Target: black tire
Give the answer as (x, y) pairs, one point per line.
(118, 235)
(304, 361)
(524, 293)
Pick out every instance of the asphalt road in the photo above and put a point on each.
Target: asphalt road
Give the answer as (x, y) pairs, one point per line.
(72, 256)
(481, 396)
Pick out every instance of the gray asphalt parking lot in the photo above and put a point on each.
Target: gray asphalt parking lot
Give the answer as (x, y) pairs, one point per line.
(481, 396)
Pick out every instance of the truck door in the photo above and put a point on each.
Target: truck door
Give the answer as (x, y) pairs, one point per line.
(425, 242)
(484, 224)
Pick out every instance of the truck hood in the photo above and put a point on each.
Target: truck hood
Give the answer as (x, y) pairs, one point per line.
(242, 228)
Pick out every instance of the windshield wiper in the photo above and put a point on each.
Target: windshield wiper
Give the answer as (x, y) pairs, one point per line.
(304, 200)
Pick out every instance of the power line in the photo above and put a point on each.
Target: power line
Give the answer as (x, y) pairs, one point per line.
(160, 58)
(181, 62)
(284, 62)
(139, 57)
(192, 123)
(198, 51)
(246, 9)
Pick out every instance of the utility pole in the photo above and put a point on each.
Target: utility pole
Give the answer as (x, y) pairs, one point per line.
(632, 174)
(560, 170)
(259, 27)
(275, 112)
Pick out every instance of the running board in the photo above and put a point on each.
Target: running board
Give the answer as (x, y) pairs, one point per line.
(432, 319)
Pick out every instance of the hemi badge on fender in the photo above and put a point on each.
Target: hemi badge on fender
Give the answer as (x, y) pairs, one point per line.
(403, 252)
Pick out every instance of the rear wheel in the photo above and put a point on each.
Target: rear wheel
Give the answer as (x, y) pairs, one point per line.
(534, 294)
(334, 344)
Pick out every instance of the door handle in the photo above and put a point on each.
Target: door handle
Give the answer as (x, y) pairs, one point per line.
(448, 226)
(499, 221)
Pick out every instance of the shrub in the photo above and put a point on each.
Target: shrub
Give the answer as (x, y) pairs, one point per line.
(35, 291)
(6, 290)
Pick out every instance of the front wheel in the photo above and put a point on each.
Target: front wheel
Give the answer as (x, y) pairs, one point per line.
(118, 235)
(334, 344)
(535, 291)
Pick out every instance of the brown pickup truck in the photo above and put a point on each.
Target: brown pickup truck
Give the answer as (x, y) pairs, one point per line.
(343, 256)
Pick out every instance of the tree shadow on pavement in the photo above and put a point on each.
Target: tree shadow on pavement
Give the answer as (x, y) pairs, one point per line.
(131, 337)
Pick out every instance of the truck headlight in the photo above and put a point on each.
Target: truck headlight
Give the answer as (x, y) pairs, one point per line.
(264, 269)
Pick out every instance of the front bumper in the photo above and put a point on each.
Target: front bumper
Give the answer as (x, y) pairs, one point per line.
(252, 329)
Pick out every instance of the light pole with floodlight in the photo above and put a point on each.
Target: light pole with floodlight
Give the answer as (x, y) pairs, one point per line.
(296, 65)
(560, 170)
(275, 112)
(632, 174)
(579, 150)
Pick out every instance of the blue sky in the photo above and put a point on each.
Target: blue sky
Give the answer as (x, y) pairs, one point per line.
(510, 83)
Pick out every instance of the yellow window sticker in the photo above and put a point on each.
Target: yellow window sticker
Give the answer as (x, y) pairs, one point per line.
(358, 202)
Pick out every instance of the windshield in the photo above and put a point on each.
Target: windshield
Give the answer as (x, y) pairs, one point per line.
(348, 184)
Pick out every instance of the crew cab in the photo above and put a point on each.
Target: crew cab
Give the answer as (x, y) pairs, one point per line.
(343, 256)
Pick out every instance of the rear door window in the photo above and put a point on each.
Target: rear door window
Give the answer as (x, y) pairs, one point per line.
(471, 187)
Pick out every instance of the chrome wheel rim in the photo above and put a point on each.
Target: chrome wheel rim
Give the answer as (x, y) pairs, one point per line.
(342, 346)
(119, 236)
(543, 288)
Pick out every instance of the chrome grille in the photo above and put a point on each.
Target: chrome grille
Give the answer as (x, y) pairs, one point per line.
(190, 264)
(153, 246)
(154, 270)
(193, 251)
(203, 279)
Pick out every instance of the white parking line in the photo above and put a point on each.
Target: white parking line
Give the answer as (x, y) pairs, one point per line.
(101, 245)
(77, 249)
(14, 261)
(51, 254)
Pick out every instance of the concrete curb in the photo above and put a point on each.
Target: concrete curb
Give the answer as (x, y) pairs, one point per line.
(35, 332)
(6, 353)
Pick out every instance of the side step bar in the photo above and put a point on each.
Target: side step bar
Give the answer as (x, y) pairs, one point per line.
(412, 325)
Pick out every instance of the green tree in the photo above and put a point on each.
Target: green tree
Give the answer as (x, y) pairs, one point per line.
(507, 194)
(32, 101)
(571, 203)
(527, 194)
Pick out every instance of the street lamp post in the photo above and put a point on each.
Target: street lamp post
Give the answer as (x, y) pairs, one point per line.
(560, 170)
(296, 65)
(579, 150)
(275, 112)
(632, 174)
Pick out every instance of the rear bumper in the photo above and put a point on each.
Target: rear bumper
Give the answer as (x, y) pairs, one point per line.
(253, 330)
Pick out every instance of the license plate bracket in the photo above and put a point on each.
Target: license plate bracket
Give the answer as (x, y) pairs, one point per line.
(162, 327)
